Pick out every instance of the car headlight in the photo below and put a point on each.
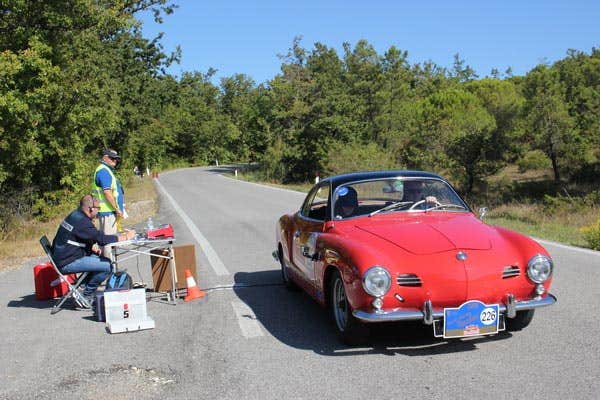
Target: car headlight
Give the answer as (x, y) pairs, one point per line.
(539, 268)
(377, 281)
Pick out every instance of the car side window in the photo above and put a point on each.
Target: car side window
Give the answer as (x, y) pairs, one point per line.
(315, 205)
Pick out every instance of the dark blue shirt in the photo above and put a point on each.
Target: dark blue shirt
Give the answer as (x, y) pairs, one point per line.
(75, 237)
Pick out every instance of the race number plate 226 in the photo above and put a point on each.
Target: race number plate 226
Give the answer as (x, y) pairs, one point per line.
(472, 318)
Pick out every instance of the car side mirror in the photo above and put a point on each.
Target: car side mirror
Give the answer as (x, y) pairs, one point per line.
(482, 212)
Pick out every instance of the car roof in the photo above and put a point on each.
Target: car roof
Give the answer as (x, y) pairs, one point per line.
(338, 180)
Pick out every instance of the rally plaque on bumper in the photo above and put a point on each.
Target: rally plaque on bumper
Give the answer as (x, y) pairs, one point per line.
(472, 318)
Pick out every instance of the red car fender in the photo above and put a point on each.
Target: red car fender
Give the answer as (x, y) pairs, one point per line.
(335, 255)
(523, 244)
(284, 235)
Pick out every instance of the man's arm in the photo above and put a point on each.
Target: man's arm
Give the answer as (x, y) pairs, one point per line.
(111, 199)
(87, 231)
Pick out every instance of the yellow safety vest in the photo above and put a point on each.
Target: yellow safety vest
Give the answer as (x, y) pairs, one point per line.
(105, 206)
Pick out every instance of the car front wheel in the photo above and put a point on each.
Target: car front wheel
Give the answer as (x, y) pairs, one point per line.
(521, 321)
(349, 329)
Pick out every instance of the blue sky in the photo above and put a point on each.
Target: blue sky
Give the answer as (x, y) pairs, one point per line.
(246, 36)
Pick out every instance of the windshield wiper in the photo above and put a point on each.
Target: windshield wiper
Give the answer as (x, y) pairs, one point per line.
(391, 207)
(437, 207)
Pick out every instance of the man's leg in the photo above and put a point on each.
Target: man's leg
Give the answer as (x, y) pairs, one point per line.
(98, 267)
(108, 225)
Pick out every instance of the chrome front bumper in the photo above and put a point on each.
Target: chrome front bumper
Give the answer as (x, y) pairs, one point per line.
(428, 314)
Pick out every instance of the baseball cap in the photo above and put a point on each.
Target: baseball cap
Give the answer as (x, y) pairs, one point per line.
(111, 153)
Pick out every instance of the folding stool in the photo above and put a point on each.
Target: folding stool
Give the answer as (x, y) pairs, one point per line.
(77, 296)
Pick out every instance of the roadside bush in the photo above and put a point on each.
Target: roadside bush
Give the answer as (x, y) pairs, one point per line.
(552, 205)
(54, 203)
(499, 192)
(15, 208)
(593, 198)
(591, 234)
(535, 159)
(272, 167)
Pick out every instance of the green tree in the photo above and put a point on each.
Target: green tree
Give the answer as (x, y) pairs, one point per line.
(395, 120)
(580, 75)
(550, 128)
(461, 72)
(364, 79)
(28, 81)
(238, 100)
(503, 100)
(69, 69)
(457, 134)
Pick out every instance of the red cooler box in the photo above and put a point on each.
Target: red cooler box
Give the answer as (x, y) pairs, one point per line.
(47, 283)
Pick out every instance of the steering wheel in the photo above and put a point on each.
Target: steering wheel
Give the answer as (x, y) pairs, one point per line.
(418, 203)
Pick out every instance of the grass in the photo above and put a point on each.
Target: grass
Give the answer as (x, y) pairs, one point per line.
(563, 226)
(558, 217)
(141, 203)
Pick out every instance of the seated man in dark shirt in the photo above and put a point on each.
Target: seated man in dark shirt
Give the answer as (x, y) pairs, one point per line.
(413, 191)
(347, 203)
(75, 246)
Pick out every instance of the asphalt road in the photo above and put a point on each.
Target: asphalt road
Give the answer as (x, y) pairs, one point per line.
(252, 339)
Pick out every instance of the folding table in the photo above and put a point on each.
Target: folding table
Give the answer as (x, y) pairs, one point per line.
(127, 249)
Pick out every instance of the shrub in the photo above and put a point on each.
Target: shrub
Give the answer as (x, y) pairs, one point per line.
(593, 198)
(591, 234)
(15, 208)
(552, 205)
(532, 160)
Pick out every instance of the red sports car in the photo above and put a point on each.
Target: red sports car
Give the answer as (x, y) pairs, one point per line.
(402, 245)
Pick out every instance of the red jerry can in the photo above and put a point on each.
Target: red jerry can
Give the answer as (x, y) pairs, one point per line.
(47, 283)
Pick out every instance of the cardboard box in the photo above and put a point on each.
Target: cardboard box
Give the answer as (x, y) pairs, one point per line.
(125, 311)
(185, 258)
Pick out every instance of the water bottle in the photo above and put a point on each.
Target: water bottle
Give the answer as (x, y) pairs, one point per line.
(150, 224)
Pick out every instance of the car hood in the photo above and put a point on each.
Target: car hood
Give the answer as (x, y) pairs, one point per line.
(428, 233)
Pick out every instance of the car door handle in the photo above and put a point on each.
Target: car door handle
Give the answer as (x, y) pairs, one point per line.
(306, 253)
(305, 250)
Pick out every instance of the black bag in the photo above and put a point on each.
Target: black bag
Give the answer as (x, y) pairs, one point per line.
(119, 280)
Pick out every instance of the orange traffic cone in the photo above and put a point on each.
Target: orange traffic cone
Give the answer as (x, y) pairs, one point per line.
(193, 291)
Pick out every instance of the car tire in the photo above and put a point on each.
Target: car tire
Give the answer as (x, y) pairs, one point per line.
(350, 330)
(285, 277)
(519, 322)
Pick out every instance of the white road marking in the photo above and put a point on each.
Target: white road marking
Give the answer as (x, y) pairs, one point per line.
(247, 320)
(567, 247)
(299, 193)
(213, 259)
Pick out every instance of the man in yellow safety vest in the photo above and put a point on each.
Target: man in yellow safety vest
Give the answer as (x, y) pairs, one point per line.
(108, 189)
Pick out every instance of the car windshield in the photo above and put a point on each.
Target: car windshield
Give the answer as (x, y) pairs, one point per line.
(369, 198)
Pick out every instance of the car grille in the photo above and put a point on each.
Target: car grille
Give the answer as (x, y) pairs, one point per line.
(408, 280)
(510, 271)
